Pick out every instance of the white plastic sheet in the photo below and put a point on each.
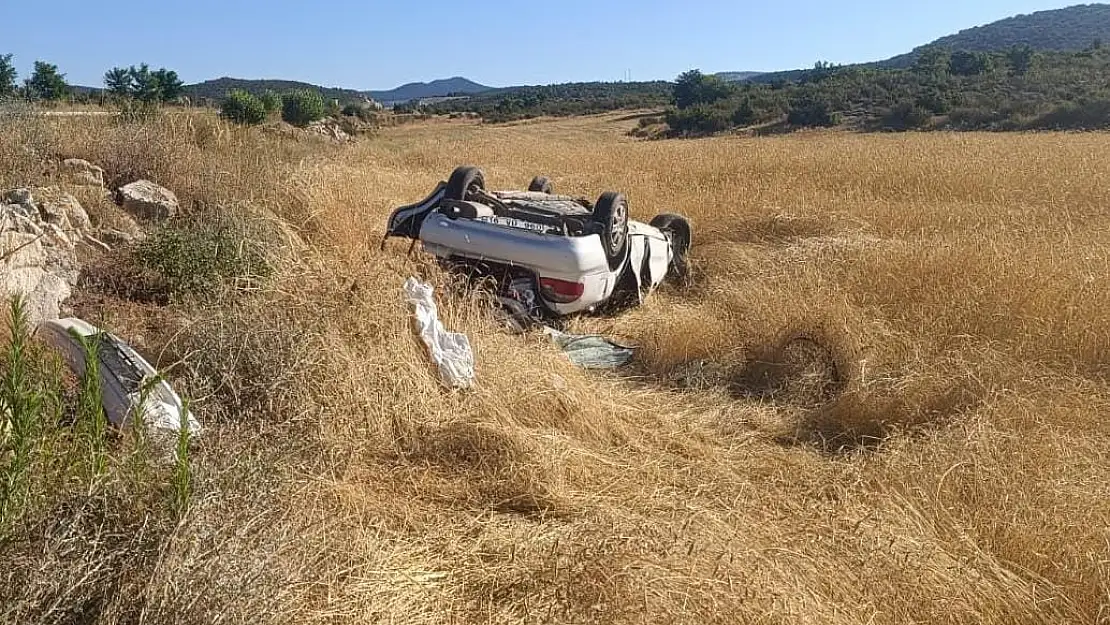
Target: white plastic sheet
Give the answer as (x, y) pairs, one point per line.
(450, 351)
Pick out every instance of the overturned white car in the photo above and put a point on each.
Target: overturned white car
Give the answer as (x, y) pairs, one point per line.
(548, 255)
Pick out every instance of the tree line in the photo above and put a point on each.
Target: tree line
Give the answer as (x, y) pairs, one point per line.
(1015, 89)
(47, 83)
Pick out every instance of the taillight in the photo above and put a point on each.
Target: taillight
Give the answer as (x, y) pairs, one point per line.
(561, 291)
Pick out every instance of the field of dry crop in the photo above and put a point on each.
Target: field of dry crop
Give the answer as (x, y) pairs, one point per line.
(885, 397)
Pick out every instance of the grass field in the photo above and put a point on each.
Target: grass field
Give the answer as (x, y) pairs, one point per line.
(950, 464)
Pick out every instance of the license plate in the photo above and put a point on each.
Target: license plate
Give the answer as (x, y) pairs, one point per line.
(516, 223)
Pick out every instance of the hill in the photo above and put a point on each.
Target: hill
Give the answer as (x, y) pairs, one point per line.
(435, 89)
(1070, 29)
(216, 89)
(1063, 30)
(560, 100)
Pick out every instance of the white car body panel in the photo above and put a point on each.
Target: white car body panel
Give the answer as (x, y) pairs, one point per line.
(130, 385)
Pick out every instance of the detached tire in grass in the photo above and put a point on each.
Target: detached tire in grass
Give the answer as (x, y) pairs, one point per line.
(611, 218)
(465, 180)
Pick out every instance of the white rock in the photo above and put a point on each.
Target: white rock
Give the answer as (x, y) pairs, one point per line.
(81, 172)
(37, 272)
(146, 200)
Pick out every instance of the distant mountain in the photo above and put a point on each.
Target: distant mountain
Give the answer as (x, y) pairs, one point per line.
(435, 89)
(736, 76)
(218, 88)
(1070, 29)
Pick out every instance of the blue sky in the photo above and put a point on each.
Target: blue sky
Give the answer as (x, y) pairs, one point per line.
(379, 45)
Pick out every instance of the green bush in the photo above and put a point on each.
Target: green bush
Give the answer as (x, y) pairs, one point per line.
(243, 108)
(693, 88)
(745, 114)
(303, 107)
(271, 102)
(906, 116)
(1092, 115)
(811, 111)
(202, 255)
(702, 119)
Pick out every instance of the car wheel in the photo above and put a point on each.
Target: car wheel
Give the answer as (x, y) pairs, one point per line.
(541, 184)
(463, 182)
(678, 229)
(610, 217)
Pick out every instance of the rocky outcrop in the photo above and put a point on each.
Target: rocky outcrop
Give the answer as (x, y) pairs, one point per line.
(81, 172)
(39, 229)
(329, 128)
(148, 201)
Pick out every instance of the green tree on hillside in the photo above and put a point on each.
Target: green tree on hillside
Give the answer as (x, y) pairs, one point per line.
(933, 61)
(7, 76)
(1021, 59)
(117, 82)
(964, 63)
(693, 88)
(46, 83)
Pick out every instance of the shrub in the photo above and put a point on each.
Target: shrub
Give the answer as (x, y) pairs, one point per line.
(201, 255)
(811, 111)
(906, 116)
(1092, 115)
(699, 120)
(745, 114)
(368, 113)
(693, 88)
(243, 108)
(303, 107)
(271, 102)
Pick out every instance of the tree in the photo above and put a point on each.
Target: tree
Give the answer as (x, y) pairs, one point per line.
(7, 76)
(117, 81)
(241, 107)
(811, 109)
(964, 63)
(46, 83)
(271, 101)
(172, 86)
(1021, 59)
(144, 84)
(303, 107)
(693, 87)
(932, 61)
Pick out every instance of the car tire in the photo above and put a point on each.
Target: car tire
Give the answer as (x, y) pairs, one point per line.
(463, 181)
(610, 218)
(678, 228)
(541, 184)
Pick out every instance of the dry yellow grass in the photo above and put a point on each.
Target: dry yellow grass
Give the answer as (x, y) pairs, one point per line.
(960, 473)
